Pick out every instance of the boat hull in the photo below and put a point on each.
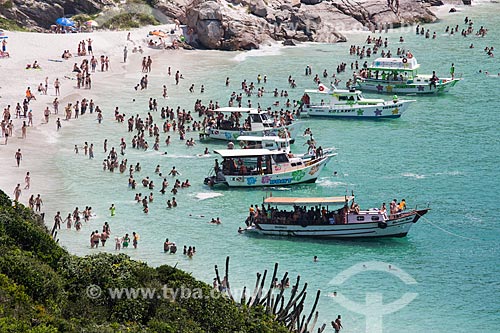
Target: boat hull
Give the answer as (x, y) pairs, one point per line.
(387, 110)
(308, 174)
(397, 227)
(405, 88)
(229, 135)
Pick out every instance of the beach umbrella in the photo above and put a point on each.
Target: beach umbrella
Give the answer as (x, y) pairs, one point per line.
(65, 22)
(92, 23)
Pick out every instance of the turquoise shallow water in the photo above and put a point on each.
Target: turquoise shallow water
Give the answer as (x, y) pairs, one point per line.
(444, 152)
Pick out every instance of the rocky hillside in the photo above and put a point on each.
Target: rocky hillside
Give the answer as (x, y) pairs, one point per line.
(235, 24)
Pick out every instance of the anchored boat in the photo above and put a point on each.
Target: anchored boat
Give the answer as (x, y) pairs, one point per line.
(257, 123)
(316, 218)
(400, 76)
(264, 167)
(342, 103)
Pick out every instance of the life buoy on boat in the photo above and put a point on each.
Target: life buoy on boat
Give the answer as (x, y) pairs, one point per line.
(382, 225)
(405, 60)
(216, 132)
(321, 88)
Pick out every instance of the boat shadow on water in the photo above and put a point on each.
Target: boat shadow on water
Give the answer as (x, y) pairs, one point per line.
(281, 242)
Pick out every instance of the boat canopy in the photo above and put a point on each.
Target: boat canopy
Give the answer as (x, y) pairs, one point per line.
(273, 138)
(246, 152)
(240, 110)
(391, 64)
(307, 201)
(334, 92)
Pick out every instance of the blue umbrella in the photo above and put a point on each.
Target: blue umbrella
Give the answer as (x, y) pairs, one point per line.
(65, 22)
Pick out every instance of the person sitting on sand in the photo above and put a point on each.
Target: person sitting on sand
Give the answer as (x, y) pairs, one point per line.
(36, 65)
(41, 89)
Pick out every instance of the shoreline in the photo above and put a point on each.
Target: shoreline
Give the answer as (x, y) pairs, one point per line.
(44, 137)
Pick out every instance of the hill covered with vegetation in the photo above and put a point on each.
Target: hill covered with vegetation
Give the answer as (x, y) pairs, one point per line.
(45, 289)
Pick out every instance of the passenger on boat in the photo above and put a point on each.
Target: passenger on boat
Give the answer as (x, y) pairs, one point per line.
(393, 208)
(402, 206)
(434, 79)
(353, 206)
(383, 211)
(243, 170)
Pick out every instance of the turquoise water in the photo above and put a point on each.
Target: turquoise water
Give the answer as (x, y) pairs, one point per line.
(443, 152)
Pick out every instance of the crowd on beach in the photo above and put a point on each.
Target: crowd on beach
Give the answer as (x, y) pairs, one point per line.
(163, 123)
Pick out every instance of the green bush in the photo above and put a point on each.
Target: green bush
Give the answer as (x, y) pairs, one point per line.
(130, 20)
(43, 289)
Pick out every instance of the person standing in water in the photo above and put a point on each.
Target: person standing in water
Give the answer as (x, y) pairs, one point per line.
(112, 209)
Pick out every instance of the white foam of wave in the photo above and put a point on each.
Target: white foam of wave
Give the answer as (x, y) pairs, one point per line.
(280, 188)
(50, 137)
(204, 196)
(330, 183)
(413, 175)
(180, 156)
(449, 173)
(264, 51)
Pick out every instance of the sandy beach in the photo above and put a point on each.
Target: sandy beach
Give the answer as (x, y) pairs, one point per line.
(440, 154)
(47, 49)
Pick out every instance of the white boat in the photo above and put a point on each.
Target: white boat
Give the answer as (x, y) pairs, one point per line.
(341, 103)
(257, 123)
(264, 167)
(276, 143)
(400, 76)
(313, 218)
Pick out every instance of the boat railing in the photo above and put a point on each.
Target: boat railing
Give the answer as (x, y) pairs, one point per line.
(337, 106)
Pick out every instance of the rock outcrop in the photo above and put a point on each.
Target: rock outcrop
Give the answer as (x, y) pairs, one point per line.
(244, 24)
(41, 14)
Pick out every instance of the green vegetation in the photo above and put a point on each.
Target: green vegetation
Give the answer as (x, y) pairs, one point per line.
(44, 289)
(130, 20)
(81, 18)
(10, 25)
(7, 4)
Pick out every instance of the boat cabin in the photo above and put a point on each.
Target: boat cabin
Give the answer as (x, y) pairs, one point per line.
(337, 97)
(316, 211)
(271, 142)
(246, 119)
(246, 162)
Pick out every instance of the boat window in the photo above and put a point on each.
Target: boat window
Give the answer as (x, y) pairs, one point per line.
(375, 218)
(280, 158)
(342, 98)
(360, 218)
(255, 118)
(264, 116)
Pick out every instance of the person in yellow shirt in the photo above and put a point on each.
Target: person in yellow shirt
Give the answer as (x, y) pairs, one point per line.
(402, 205)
